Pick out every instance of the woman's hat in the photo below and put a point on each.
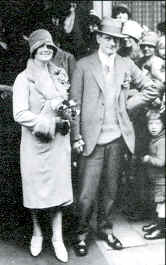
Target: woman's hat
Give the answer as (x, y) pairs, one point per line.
(150, 38)
(132, 29)
(111, 26)
(38, 38)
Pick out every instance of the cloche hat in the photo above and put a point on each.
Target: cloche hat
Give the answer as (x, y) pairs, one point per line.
(132, 29)
(121, 7)
(38, 38)
(150, 38)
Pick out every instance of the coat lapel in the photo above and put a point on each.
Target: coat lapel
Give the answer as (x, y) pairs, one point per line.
(97, 71)
(119, 70)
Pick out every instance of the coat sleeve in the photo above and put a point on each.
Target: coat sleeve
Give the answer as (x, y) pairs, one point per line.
(156, 69)
(159, 159)
(76, 93)
(148, 89)
(21, 111)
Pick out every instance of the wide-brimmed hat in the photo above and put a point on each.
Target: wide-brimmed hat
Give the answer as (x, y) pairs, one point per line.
(111, 26)
(132, 29)
(38, 38)
(150, 38)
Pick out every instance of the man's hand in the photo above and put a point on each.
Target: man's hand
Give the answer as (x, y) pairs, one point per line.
(78, 146)
(145, 159)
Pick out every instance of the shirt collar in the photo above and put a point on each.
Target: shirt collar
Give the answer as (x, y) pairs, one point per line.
(106, 60)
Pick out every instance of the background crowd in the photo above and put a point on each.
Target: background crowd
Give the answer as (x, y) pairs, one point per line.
(75, 37)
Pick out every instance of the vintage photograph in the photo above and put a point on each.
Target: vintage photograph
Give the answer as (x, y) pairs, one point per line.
(82, 132)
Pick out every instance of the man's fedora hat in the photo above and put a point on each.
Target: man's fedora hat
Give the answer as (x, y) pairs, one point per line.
(111, 26)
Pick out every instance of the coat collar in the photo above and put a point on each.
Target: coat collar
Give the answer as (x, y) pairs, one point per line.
(34, 73)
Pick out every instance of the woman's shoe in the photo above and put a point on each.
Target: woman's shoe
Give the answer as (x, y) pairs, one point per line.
(60, 250)
(150, 227)
(155, 234)
(36, 245)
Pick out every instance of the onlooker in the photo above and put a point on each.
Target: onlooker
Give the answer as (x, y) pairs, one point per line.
(38, 93)
(140, 206)
(161, 28)
(151, 64)
(160, 48)
(64, 60)
(155, 161)
(133, 32)
(100, 85)
(70, 27)
(89, 32)
(121, 11)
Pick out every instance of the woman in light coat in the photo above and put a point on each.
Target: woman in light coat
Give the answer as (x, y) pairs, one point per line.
(45, 148)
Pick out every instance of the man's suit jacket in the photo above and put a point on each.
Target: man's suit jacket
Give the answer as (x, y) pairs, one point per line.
(87, 89)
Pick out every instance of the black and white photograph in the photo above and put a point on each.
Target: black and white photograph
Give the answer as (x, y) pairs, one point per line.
(82, 132)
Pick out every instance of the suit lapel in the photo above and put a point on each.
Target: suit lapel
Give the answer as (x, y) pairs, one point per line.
(97, 70)
(118, 73)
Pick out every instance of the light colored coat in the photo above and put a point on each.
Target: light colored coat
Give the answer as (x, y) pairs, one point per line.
(45, 167)
(87, 89)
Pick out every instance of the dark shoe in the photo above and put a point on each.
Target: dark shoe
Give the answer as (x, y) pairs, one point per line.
(112, 241)
(149, 227)
(81, 248)
(156, 234)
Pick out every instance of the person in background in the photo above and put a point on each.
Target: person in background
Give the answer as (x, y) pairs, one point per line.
(70, 28)
(161, 28)
(122, 12)
(151, 64)
(89, 32)
(38, 92)
(160, 51)
(131, 43)
(65, 60)
(103, 130)
(155, 162)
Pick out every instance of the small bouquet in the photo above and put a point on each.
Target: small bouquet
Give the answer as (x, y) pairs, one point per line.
(67, 111)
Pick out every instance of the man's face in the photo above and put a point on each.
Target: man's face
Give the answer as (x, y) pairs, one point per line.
(108, 44)
(134, 44)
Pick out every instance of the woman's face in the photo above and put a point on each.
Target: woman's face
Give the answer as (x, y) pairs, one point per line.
(161, 50)
(148, 50)
(44, 53)
(123, 17)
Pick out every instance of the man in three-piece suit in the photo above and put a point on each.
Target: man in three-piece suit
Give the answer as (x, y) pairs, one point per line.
(100, 85)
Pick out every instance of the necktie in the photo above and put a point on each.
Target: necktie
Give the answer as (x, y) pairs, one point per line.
(106, 70)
